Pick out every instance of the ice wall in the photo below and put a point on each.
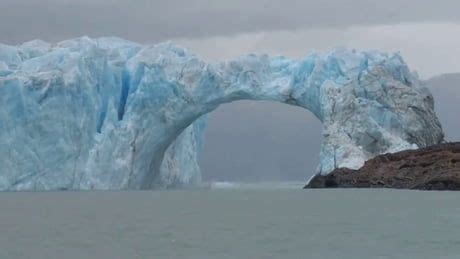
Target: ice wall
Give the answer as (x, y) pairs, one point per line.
(111, 114)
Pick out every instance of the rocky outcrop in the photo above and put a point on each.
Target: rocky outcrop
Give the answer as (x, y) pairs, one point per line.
(433, 168)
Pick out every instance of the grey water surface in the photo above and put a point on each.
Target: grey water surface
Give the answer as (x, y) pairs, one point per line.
(226, 222)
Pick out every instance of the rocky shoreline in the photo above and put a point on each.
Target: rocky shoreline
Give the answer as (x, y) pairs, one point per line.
(432, 168)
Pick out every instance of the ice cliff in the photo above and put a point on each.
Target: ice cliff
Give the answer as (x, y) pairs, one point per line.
(111, 114)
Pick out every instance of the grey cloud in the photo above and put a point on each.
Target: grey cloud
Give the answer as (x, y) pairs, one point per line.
(151, 21)
(429, 48)
(446, 92)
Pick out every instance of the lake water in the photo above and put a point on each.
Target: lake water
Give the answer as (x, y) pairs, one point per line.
(231, 221)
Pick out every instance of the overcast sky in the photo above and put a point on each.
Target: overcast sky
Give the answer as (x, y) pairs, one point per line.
(426, 32)
(147, 20)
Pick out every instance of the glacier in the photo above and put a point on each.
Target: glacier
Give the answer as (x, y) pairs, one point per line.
(108, 113)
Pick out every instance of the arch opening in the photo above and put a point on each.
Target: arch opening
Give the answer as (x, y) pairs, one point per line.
(260, 141)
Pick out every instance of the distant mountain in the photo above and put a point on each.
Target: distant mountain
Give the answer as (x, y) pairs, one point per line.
(446, 92)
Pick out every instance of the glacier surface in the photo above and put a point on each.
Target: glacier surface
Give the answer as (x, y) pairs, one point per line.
(107, 113)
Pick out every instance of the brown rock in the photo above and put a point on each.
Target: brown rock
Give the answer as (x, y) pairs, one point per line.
(432, 168)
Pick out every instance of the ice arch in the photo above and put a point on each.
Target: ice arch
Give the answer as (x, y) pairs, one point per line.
(133, 116)
(369, 103)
